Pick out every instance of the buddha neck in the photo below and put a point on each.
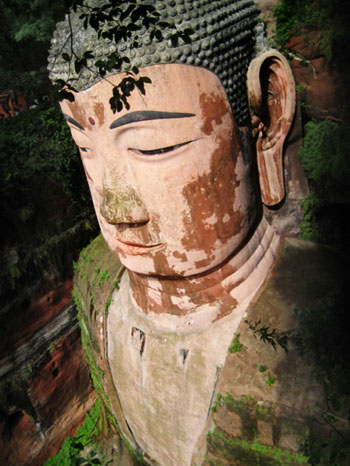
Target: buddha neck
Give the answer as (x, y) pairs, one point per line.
(228, 285)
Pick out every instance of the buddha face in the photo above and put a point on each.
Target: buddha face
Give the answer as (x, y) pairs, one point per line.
(168, 178)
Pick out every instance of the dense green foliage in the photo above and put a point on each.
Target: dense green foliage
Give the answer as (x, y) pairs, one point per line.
(38, 143)
(294, 15)
(322, 337)
(26, 27)
(325, 157)
(323, 334)
(44, 199)
(72, 450)
(328, 17)
(36, 150)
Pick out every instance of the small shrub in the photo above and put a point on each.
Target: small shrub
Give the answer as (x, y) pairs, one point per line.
(235, 346)
(325, 158)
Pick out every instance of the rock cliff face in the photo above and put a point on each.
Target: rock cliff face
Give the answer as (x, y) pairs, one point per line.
(45, 387)
(322, 87)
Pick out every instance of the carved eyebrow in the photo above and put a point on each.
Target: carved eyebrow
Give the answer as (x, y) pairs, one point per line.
(73, 122)
(145, 115)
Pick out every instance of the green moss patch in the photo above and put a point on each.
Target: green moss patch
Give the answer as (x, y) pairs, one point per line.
(243, 452)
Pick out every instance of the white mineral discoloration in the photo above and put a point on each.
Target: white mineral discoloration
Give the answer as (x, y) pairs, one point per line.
(183, 302)
(226, 218)
(133, 261)
(192, 257)
(154, 295)
(155, 284)
(212, 220)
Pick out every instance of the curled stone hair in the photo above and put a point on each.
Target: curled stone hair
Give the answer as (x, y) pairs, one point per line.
(223, 42)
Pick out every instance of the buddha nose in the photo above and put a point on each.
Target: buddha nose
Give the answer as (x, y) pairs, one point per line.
(123, 206)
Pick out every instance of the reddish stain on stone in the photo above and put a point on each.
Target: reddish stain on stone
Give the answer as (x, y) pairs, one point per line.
(213, 194)
(92, 121)
(99, 111)
(78, 113)
(181, 256)
(204, 288)
(214, 107)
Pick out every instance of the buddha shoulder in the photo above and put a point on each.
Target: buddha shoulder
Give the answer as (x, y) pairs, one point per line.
(96, 277)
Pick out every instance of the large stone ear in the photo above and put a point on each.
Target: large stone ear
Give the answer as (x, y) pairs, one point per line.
(271, 95)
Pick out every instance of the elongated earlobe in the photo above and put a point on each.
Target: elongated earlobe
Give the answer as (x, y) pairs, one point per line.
(271, 94)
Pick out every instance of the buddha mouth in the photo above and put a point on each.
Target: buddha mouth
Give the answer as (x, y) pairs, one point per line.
(135, 249)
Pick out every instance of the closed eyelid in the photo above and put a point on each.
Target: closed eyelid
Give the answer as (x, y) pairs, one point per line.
(161, 150)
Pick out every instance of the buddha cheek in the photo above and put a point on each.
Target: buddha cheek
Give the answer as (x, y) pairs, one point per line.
(213, 223)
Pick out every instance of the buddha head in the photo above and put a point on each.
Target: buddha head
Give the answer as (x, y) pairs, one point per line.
(173, 178)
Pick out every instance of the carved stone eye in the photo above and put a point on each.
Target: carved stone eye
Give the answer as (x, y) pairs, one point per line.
(161, 150)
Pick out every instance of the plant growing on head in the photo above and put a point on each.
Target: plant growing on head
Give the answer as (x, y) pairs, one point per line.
(102, 38)
(115, 23)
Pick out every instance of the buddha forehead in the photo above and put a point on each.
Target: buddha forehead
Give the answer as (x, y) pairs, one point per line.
(223, 41)
(175, 92)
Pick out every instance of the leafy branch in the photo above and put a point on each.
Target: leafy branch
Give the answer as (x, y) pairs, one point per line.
(272, 337)
(117, 22)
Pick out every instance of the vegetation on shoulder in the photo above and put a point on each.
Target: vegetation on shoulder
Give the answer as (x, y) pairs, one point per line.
(220, 401)
(81, 449)
(270, 380)
(235, 346)
(87, 448)
(224, 447)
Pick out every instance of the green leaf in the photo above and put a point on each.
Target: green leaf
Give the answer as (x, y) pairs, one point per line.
(80, 461)
(66, 57)
(165, 25)
(100, 64)
(63, 94)
(116, 91)
(140, 86)
(146, 79)
(174, 40)
(94, 22)
(159, 34)
(185, 37)
(119, 105)
(105, 7)
(78, 66)
(133, 27)
(127, 12)
(261, 368)
(136, 14)
(188, 31)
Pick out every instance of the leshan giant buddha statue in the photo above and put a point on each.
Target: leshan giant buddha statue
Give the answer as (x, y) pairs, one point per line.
(174, 185)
